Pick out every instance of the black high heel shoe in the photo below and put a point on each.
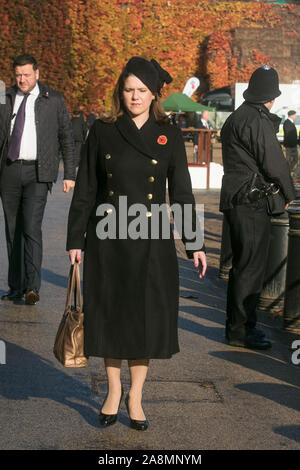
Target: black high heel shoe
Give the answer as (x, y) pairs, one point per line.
(139, 425)
(108, 420)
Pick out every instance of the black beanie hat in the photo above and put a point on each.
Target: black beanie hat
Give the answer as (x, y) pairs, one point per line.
(263, 85)
(149, 72)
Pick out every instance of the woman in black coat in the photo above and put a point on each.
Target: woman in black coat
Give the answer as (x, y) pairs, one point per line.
(130, 275)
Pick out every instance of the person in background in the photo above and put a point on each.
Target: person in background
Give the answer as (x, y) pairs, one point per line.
(290, 140)
(79, 133)
(202, 123)
(34, 127)
(90, 119)
(182, 124)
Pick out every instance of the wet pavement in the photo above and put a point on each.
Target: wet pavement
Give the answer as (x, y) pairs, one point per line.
(209, 396)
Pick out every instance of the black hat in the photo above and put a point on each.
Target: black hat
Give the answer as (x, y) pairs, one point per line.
(263, 85)
(291, 113)
(149, 72)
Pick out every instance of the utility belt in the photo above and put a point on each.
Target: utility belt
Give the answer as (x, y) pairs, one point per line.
(256, 191)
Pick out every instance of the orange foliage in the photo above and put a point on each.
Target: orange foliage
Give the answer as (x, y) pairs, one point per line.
(82, 45)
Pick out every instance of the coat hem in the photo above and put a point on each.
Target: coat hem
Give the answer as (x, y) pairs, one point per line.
(130, 357)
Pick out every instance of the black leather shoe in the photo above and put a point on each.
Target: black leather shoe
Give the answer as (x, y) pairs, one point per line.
(236, 342)
(13, 294)
(255, 342)
(138, 425)
(108, 420)
(31, 297)
(251, 342)
(255, 332)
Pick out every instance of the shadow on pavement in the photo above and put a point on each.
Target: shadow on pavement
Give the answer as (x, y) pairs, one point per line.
(213, 215)
(291, 432)
(286, 395)
(54, 278)
(209, 303)
(28, 375)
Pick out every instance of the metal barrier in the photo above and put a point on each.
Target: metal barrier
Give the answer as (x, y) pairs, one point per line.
(272, 297)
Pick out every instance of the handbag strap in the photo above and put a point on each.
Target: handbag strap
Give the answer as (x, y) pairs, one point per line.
(77, 288)
(74, 287)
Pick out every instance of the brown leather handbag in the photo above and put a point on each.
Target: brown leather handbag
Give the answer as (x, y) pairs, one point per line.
(69, 341)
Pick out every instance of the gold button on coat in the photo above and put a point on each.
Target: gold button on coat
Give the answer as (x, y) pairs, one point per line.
(154, 162)
(109, 175)
(111, 193)
(149, 196)
(151, 179)
(148, 214)
(107, 156)
(109, 211)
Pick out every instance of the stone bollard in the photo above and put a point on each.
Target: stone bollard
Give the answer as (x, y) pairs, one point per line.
(291, 312)
(272, 297)
(226, 254)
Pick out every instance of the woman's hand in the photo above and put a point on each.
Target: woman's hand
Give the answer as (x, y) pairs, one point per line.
(75, 255)
(287, 205)
(200, 258)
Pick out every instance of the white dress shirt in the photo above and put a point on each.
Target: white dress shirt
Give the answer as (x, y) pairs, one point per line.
(28, 150)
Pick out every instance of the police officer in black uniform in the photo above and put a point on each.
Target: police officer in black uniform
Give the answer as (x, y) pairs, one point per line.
(253, 164)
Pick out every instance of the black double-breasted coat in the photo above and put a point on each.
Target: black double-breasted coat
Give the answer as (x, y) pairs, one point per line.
(131, 286)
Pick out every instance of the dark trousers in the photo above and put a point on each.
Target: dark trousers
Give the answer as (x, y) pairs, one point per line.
(292, 157)
(250, 237)
(23, 200)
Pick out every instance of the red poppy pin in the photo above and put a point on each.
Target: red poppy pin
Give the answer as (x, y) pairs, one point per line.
(162, 140)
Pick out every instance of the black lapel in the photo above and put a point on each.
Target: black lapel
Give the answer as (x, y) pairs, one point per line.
(44, 91)
(12, 92)
(132, 135)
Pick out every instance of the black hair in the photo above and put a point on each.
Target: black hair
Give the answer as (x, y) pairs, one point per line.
(25, 59)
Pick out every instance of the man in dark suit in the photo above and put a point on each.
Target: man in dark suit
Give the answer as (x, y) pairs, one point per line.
(290, 140)
(34, 127)
(203, 123)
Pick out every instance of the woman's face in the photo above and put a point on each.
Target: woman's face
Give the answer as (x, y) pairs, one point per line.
(137, 97)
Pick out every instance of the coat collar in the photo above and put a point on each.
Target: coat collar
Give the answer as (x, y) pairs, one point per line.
(44, 91)
(276, 120)
(136, 137)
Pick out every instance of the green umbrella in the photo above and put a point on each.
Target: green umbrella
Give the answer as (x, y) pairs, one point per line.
(181, 102)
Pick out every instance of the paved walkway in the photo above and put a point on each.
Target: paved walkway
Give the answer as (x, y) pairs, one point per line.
(209, 396)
